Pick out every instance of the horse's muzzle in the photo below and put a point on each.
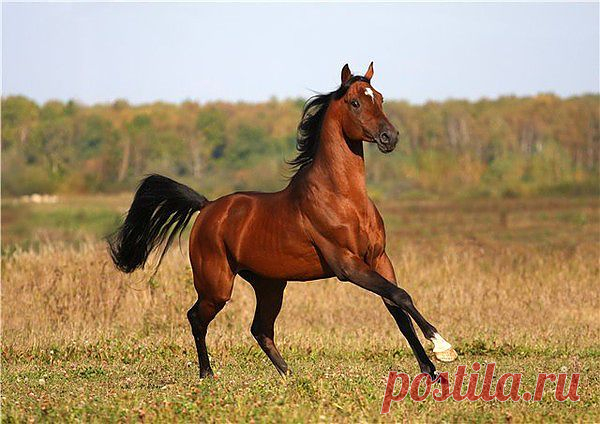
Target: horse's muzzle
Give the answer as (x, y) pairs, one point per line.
(387, 140)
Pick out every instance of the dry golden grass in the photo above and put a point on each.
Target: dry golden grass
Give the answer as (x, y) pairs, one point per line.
(61, 293)
(70, 320)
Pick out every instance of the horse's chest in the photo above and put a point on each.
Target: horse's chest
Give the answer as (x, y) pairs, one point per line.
(373, 244)
(356, 233)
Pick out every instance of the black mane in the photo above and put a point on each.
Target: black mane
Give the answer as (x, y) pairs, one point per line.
(309, 128)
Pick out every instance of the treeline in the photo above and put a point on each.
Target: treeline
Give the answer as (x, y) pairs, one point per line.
(506, 147)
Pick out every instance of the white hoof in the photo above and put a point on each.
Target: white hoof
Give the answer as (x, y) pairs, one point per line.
(442, 349)
(449, 355)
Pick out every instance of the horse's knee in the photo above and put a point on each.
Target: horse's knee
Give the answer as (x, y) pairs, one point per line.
(256, 332)
(401, 298)
(261, 334)
(263, 339)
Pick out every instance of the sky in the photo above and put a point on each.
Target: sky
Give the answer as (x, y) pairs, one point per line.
(146, 52)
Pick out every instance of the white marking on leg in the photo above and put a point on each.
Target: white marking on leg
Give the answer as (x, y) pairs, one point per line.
(439, 344)
(370, 93)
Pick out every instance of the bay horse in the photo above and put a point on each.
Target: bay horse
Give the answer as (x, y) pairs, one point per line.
(321, 225)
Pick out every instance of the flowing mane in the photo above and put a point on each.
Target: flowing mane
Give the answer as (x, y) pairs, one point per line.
(309, 128)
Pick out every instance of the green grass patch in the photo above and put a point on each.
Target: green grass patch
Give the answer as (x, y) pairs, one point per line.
(161, 383)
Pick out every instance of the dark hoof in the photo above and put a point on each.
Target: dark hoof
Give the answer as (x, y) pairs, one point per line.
(285, 373)
(438, 378)
(430, 371)
(207, 373)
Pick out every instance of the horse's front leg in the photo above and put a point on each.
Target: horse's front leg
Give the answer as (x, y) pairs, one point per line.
(384, 267)
(349, 267)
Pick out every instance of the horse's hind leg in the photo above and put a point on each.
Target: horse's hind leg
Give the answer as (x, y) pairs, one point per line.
(269, 298)
(214, 290)
(199, 316)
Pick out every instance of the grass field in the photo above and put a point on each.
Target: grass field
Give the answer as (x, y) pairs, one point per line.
(513, 282)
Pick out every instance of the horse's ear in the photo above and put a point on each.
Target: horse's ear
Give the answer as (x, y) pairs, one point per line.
(369, 73)
(346, 73)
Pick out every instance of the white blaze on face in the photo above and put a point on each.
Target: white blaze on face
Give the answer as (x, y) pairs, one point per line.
(370, 93)
(439, 344)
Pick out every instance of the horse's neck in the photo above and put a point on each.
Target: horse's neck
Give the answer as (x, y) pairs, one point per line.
(339, 165)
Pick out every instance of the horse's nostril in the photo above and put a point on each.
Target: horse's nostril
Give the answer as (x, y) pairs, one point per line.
(385, 137)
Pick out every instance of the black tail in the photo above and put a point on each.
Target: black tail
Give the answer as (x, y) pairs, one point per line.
(160, 210)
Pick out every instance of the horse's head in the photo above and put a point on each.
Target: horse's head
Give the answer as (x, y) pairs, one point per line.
(361, 108)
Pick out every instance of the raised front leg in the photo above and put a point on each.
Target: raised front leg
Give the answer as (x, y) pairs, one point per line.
(384, 267)
(348, 267)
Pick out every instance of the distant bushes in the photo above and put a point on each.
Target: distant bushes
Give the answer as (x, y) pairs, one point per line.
(507, 147)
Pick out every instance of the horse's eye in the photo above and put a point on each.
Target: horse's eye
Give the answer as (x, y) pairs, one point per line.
(355, 104)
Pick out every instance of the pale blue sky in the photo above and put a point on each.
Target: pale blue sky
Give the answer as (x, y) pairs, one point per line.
(147, 51)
